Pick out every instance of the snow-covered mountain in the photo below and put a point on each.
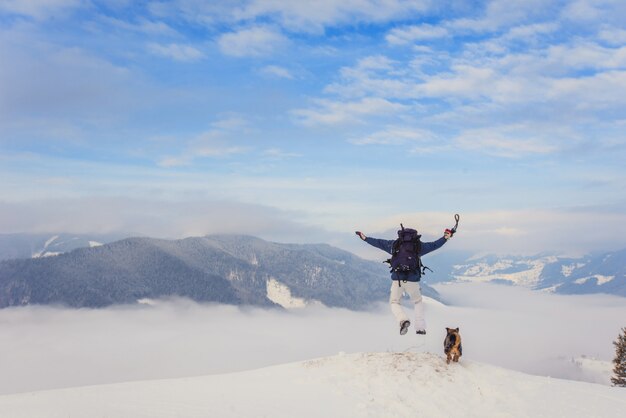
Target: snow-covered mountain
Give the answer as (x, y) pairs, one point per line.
(382, 385)
(599, 273)
(227, 269)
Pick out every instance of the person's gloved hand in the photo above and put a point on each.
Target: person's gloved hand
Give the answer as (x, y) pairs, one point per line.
(361, 235)
(448, 233)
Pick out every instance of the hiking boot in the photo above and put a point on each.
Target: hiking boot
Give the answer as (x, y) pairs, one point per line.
(404, 327)
(421, 332)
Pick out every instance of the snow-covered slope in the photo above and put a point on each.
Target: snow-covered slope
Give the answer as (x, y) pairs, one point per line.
(355, 385)
(521, 272)
(599, 273)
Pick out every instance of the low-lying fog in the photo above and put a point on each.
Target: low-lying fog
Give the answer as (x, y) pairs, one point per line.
(44, 347)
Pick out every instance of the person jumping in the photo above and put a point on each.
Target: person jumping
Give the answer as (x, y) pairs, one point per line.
(406, 271)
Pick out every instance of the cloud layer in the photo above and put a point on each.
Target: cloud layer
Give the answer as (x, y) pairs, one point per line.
(46, 347)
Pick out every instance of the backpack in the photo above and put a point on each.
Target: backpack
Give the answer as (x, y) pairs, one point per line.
(405, 252)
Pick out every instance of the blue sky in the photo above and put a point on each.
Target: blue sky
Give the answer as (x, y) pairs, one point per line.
(303, 121)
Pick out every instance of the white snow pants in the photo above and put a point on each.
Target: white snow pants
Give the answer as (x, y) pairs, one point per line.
(412, 289)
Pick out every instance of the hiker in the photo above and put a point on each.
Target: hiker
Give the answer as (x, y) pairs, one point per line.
(406, 271)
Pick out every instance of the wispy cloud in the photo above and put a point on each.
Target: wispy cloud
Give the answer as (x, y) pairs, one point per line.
(315, 16)
(206, 145)
(409, 34)
(77, 82)
(277, 71)
(252, 42)
(177, 52)
(142, 25)
(508, 142)
(561, 230)
(594, 12)
(498, 14)
(614, 36)
(231, 122)
(276, 153)
(39, 9)
(330, 112)
(395, 136)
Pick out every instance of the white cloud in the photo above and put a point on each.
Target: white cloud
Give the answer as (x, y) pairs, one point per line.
(177, 52)
(566, 231)
(503, 142)
(373, 76)
(146, 26)
(529, 32)
(409, 34)
(612, 35)
(373, 63)
(39, 9)
(607, 91)
(76, 82)
(466, 81)
(592, 13)
(331, 112)
(585, 56)
(155, 217)
(206, 145)
(213, 143)
(298, 16)
(293, 16)
(395, 136)
(527, 75)
(278, 154)
(252, 42)
(500, 14)
(232, 122)
(277, 71)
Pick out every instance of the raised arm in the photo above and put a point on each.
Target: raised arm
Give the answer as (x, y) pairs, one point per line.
(432, 246)
(382, 244)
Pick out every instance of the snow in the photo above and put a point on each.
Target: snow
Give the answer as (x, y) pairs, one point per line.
(94, 244)
(600, 279)
(567, 270)
(595, 370)
(279, 293)
(46, 254)
(43, 252)
(147, 301)
(47, 244)
(484, 272)
(378, 384)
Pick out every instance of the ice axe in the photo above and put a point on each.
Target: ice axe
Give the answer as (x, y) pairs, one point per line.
(456, 225)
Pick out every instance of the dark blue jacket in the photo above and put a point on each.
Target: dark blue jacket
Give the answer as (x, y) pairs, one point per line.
(387, 246)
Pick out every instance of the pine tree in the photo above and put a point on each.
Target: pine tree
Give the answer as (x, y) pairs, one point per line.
(620, 360)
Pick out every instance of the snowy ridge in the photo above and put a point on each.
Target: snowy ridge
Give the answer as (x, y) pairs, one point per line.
(601, 273)
(522, 273)
(354, 385)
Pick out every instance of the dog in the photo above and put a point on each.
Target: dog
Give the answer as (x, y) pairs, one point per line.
(452, 345)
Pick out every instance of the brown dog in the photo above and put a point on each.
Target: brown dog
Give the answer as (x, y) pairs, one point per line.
(452, 345)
